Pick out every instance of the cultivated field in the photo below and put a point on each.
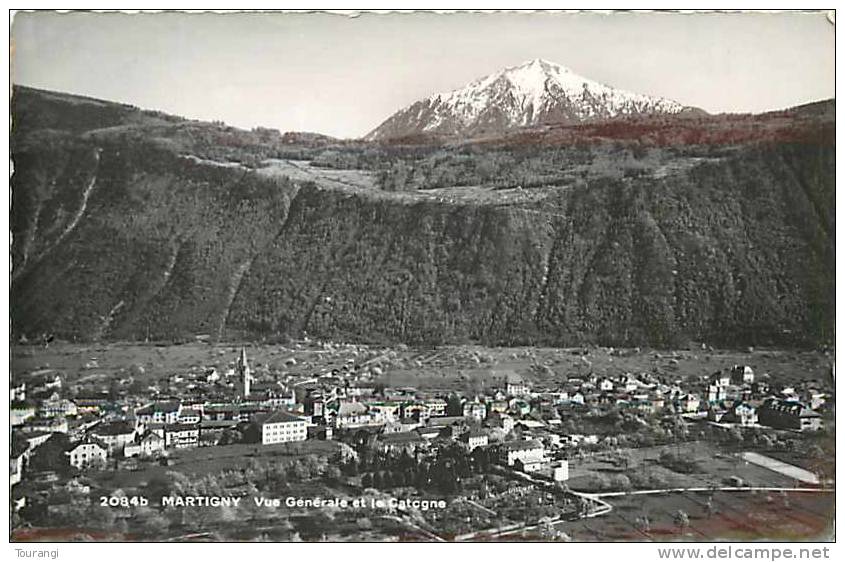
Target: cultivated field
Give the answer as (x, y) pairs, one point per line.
(737, 516)
(444, 368)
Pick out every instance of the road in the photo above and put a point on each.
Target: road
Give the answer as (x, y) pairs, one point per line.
(602, 507)
(711, 489)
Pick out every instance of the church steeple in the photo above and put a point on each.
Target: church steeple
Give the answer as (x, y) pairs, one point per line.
(244, 372)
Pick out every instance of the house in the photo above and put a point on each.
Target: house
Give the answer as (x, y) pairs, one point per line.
(529, 452)
(413, 409)
(560, 471)
(497, 406)
(475, 410)
(115, 435)
(407, 441)
(658, 401)
(445, 421)
(181, 435)
(516, 386)
(629, 383)
(783, 414)
(159, 412)
(429, 433)
(688, 403)
(88, 453)
(17, 391)
(90, 405)
(741, 413)
(360, 390)
(19, 412)
(18, 457)
(76, 486)
(716, 393)
(57, 407)
(760, 388)
(519, 407)
(474, 438)
(814, 399)
(36, 438)
(720, 379)
(273, 397)
(211, 431)
(642, 405)
(352, 414)
(384, 412)
(742, 374)
(44, 380)
(606, 385)
(189, 416)
(145, 445)
(530, 465)
(320, 432)
(209, 376)
(50, 425)
(232, 412)
(530, 424)
(281, 427)
(716, 412)
(402, 425)
(314, 404)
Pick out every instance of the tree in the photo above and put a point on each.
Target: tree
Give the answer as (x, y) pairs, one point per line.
(454, 407)
(388, 481)
(51, 455)
(735, 436)
(333, 473)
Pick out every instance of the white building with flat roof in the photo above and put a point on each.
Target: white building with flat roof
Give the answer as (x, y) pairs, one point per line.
(281, 427)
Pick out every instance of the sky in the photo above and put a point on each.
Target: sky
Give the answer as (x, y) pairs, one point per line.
(342, 76)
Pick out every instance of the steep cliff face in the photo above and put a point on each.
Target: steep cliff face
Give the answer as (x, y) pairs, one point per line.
(127, 240)
(719, 255)
(136, 242)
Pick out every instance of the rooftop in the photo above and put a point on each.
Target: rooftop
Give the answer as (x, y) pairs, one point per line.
(279, 416)
(526, 445)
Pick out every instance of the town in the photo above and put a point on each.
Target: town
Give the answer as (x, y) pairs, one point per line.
(548, 444)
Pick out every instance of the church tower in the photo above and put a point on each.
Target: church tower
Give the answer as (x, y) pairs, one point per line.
(244, 372)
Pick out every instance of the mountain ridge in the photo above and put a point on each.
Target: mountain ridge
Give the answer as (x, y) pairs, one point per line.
(535, 92)
(164, 229)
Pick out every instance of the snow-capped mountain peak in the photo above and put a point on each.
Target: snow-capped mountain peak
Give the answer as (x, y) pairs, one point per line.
(535, 92)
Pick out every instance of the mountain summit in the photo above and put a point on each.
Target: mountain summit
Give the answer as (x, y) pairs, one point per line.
(532, 93)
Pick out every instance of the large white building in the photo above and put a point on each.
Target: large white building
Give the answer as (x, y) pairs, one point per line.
(145, 445)
(87, 453)
(527, 452)
(115, 435)
(181, 435)
(281, 427)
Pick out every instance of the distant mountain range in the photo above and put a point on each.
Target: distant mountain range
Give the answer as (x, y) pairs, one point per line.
(534, 93)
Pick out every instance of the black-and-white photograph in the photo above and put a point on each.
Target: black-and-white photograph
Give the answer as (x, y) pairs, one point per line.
(422, 277)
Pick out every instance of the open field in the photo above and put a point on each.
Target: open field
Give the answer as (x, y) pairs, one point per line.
(202, 461)
(445, 368)
(713, 467)
(738, 516)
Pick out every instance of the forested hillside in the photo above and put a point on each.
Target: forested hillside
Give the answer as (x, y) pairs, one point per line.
(135, 225)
